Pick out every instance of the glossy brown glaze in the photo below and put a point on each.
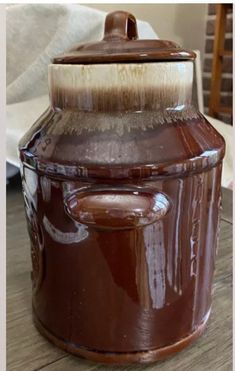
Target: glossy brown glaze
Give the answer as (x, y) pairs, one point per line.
(148, 356)
(112, 145)
(120, 44)
(115, 290)
(122, 209)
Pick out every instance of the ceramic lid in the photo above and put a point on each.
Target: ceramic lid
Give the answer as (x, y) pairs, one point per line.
(121, 44)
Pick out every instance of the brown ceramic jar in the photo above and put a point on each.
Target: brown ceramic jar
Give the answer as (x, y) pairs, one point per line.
(121, 181)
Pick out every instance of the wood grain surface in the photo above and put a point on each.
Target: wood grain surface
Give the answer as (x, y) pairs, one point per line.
(27, 350)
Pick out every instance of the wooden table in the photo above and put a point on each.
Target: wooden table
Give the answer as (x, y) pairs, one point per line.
(27, 350)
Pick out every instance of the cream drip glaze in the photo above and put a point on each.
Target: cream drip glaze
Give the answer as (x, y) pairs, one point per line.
(133, 86)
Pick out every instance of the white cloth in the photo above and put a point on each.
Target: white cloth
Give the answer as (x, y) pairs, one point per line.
(35, 34)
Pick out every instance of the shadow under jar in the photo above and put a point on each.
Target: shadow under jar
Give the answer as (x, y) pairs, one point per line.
(121, 181)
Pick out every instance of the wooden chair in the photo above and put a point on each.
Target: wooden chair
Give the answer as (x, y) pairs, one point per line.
(218, 54)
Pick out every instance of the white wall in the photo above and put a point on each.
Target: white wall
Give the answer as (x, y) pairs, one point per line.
(183, 23)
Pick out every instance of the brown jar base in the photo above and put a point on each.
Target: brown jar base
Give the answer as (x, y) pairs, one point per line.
(147, 356)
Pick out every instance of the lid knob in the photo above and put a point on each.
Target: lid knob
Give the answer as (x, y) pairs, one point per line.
(120, 25)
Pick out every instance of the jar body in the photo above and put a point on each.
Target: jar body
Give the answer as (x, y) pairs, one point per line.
(123, 290)
(123, 214)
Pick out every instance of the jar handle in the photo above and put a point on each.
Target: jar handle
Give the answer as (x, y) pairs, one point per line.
(119, 208)
(120, 25)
